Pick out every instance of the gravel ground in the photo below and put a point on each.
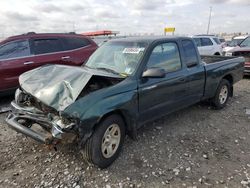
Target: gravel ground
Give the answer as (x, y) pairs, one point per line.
(195, 147)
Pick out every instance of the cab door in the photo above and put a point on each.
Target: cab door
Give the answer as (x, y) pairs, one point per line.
(158, 96)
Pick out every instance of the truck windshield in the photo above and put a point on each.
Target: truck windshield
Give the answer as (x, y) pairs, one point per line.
(245, 43)
(121, 57)
(235, 42)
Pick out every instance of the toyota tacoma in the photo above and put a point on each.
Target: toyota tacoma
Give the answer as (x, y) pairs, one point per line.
(123, 85)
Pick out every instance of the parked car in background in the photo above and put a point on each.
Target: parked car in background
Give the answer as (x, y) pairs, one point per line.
(21, 53)
(233, 43)
(243, 49)
(222, 40)
(123, 85)
(208, 44)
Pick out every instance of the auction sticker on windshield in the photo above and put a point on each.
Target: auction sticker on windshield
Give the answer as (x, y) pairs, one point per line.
(133, 50)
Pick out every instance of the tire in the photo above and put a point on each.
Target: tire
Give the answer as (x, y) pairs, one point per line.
(105, 144)
(222, 95)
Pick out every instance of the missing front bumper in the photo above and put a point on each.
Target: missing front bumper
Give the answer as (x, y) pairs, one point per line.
(12, 121)
(33, 123)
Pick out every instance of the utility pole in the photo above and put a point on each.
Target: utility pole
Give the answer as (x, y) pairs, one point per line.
(74, 26)
(209, 20)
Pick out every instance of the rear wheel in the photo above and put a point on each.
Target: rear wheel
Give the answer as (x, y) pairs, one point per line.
(104, 146)
(222, 94)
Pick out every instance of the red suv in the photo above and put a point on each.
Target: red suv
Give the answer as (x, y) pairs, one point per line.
(21, 53)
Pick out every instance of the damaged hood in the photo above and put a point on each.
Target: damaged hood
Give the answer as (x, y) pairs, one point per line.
(58, 86)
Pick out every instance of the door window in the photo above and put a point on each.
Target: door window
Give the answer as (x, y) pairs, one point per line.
(165, 56)
(217, 40)
(190, 53)
(43, 46)
(74, 43)
(206, 42)
(15, 49)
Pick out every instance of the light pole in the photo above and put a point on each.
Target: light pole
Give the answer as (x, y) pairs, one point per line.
(209, 19)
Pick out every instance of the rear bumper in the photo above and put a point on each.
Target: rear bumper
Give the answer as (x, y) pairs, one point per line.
(33, 123)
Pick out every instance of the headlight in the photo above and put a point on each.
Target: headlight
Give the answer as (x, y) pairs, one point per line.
(60, 122)
(17, 94)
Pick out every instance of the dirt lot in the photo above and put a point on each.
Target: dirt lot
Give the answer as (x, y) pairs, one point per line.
(195, 147)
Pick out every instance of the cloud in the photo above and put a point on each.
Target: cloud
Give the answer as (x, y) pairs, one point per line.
(126, 16)
(15, 16)
(239, 2)
(47, 8)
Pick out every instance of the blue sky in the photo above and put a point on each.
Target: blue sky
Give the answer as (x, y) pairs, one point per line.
(126, 16)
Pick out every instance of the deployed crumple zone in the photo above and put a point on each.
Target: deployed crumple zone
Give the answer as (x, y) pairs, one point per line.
(59, 86)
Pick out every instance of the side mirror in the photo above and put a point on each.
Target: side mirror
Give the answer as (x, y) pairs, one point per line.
(154, 73)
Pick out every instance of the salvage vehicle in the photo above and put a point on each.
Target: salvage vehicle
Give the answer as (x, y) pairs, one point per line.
(21, 53)
(242, 50)
(124, 84)
(234, 43)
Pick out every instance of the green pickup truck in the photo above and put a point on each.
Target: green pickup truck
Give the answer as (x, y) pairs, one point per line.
(123, 85)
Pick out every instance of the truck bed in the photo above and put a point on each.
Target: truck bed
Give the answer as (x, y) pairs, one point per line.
(215, 58)
(217, 67)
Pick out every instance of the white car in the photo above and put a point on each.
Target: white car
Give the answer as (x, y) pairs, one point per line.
(235, 42)
(208, 44)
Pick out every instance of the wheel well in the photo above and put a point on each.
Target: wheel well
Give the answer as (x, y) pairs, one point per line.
(117, 112)
(217, 53)
(230, 79)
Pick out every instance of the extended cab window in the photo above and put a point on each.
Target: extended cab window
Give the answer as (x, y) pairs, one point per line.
(165, 56)
(14, 49)
(206, 42)
(190, 53)
(43, 46)
(71, 43)
(197, 41)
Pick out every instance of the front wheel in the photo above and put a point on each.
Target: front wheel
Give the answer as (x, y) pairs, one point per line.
(104, 146)
(222, 94)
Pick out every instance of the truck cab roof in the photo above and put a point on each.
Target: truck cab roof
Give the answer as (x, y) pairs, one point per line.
(150, 39)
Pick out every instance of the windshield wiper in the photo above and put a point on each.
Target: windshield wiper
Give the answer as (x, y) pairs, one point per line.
(107, 70)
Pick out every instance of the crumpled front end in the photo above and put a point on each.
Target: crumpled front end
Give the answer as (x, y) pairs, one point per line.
(38, 121)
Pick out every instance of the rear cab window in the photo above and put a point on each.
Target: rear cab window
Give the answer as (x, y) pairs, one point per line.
(46, 45)
(197, 41)
(190, 53)
(15, 49)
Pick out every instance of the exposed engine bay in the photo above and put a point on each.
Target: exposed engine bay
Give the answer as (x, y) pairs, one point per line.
(98, 82)
(44, 122)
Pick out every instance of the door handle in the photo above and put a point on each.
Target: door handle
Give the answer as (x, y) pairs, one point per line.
(65, 57)
(28, 62)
